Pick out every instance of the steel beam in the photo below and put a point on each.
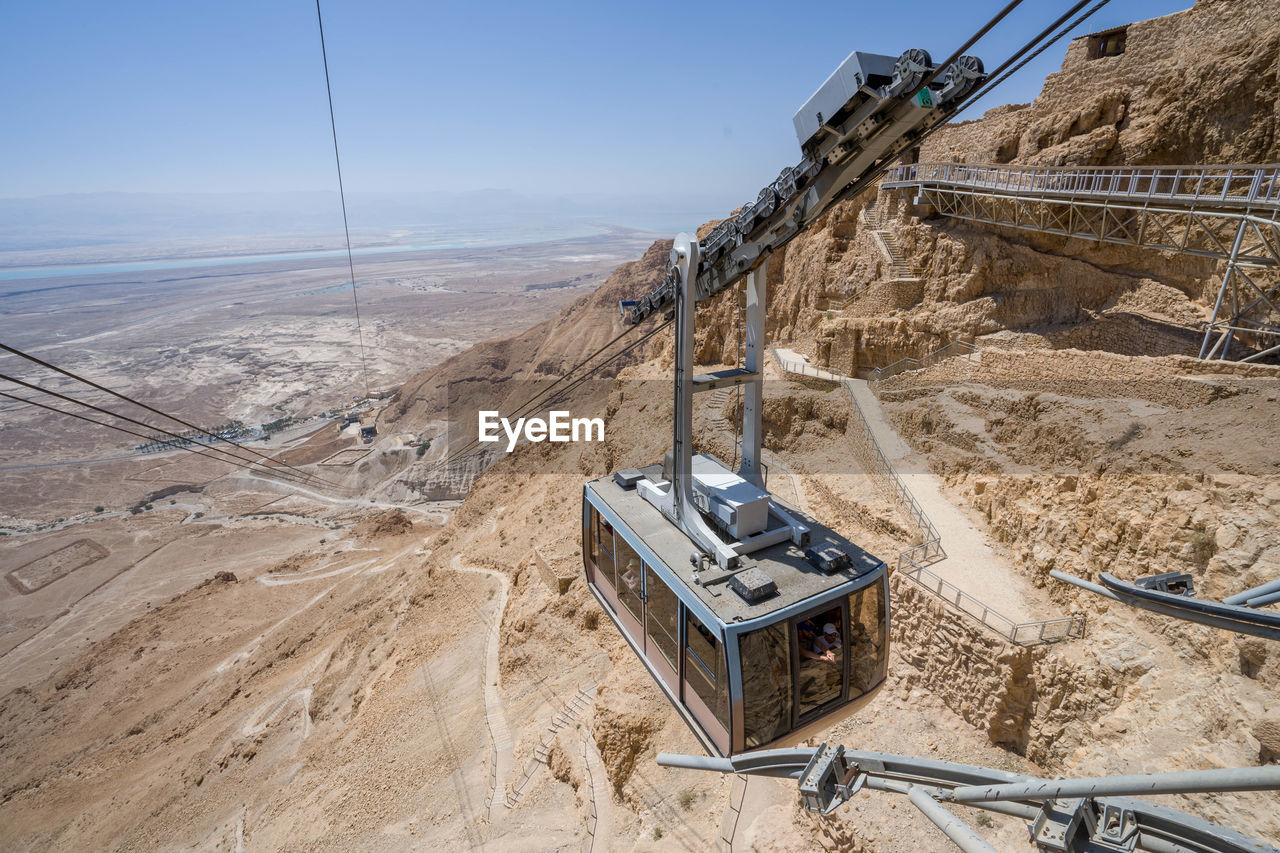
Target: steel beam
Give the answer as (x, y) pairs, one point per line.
(1182, 782)
(1159, 829)
(1261, 589)
(953, 827)
(1216, 614)
(1229, 213)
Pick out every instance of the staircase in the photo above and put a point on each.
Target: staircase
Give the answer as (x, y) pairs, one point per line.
(719, 423)
(719, 398)
(899, 268)
(563, 718)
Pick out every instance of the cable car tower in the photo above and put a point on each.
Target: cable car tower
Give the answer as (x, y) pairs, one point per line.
(759, 623)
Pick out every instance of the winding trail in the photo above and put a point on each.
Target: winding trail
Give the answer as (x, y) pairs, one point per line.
(499, 731)
(441, 515)
(600, 828)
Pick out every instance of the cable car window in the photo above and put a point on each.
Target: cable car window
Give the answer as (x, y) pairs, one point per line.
(630, 576)
(704, 668)
(868, 649)
(820, 647)
(604, 540)
(766, 684)
(593, 537)
(662, 622)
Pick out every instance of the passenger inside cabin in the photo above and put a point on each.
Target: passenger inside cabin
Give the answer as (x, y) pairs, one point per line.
(631, 575)
(828, 642)
(866, 660)
(806, 634)
(821, 659)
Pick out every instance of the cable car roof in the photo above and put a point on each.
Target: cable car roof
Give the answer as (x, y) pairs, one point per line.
(796, 578)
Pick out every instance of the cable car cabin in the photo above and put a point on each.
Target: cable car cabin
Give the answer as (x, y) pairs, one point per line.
(790, 639)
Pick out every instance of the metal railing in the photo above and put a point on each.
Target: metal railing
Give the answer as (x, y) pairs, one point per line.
(912, 561)
(1238, 186)
(1022, 633)
(954, 349)
(874, 461)
(899, 266)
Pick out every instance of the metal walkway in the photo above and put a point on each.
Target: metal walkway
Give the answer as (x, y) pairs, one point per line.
(914, 562)
(1228, 213)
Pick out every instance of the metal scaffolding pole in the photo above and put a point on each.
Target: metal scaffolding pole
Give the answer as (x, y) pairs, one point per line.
(1217, 305)
(953, 827)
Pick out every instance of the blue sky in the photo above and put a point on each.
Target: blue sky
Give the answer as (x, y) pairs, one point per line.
(542, 98)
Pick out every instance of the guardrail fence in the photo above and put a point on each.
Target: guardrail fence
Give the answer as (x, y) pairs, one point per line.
(913, 561)
(1235, 184)
(962, 349)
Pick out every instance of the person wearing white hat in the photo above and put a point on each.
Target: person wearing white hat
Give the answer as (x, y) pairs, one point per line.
(828, 642)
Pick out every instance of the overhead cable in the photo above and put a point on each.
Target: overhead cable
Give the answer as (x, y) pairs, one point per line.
(141, 405)
(342, 196)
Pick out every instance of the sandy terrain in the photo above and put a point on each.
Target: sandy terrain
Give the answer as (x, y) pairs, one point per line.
(255, 342)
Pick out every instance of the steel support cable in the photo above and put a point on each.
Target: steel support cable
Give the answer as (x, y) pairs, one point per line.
(536, 401)
(861, 184)
(858, 186)
(176, 445)
(523, 407)
(999, 16)
(565, 376)
(342, 196)
(611, 359)
(864, 182)
(174, 438)
(154, 410)
(301, 478)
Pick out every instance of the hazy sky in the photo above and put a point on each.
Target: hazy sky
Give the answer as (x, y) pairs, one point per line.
(547, 97)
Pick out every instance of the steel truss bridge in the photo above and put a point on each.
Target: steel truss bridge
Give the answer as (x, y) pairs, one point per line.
(1227, 213)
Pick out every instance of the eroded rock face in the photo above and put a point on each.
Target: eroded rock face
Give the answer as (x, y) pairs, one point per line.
(1031, 701)
(625, 723)
(1268, 734)
(393, 522)
(1259, 660)
(1198, 86)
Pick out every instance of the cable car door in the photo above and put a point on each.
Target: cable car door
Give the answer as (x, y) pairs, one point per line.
(821, 662)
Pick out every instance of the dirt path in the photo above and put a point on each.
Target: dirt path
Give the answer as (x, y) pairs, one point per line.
(601, 806)
(440, 515)
(499, 731)
(971, 562)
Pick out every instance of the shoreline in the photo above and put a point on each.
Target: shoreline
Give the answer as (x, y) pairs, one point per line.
(160, 263)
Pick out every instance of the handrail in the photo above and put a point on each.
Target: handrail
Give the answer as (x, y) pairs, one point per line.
(912, 561)
(1252, 185)
(927, 360)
